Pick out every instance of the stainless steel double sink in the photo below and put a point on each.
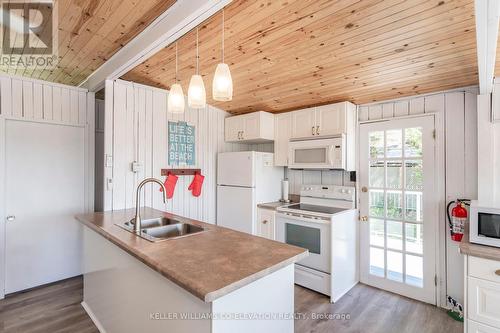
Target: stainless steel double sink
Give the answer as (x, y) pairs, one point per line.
(162, 228)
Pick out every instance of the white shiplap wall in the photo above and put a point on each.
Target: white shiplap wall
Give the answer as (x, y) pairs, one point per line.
(297, 178)
(457, 158)
(137, 131)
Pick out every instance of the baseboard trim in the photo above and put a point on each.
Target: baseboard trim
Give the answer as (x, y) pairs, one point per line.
(93, 317)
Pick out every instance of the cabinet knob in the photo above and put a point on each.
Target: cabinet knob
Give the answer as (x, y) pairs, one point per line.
(265, 222)
(497, 272)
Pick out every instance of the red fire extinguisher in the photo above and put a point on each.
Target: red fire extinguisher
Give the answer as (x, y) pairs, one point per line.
(458, 218)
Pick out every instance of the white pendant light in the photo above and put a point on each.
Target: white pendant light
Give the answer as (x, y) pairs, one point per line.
(176, 95)
(222, 86)
(197, 97)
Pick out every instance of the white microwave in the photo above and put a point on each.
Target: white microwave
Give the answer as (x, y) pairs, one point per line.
(317, 153)
(484, 225)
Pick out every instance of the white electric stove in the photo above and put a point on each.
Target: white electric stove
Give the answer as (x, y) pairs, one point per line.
(324, 222)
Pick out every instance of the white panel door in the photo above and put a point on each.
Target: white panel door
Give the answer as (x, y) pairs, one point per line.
(236, 169)
(236, 208)
(304, 123)
(44, 191)
(399, 207)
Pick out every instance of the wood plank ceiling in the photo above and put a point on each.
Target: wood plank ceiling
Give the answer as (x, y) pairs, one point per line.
(90, 32)
(290, 54)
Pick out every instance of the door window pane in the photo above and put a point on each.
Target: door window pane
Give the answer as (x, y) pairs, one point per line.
(413, 142)
(394, 174)
(395, 205)
(414, 237)
(306, 237)
(377, 232)
(395, 266)
(414, 206)
(377, 266)
(377, 205)
(414, 176)
(394, 143)
(414, 271)
(376, 174)
(376, 144)
(395, 235)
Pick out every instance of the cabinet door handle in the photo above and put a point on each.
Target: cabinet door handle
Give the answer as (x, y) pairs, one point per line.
(239, 135)
(312, 130)
(10, 218)
(242, 135)
(317, 130)
(264, 222)
(497, 272)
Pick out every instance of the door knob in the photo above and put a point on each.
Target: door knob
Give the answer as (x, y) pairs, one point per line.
(364, 218)
(364, 189)
(497, 272)
(10, 218)
(264, 222)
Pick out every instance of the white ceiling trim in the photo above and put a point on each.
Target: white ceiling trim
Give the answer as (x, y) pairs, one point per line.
(176, 21)
(487, 18)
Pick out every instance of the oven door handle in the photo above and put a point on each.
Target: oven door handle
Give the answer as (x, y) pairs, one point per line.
(301, 218)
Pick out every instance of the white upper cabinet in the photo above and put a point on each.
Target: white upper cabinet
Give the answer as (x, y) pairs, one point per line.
(323, 121)
(304, 123)
(282, 135)
(331, 119)
(233, 127)
(253, 127)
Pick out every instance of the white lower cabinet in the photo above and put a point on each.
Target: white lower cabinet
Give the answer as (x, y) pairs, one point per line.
(265, 223)
(475, 327)
(483, 295)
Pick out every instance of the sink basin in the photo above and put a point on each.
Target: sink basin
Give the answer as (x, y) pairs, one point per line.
(162, 228)
(172, 231)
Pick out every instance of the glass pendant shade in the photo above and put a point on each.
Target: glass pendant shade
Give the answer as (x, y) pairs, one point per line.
(196, 92)
(176, 99)
(222, 86)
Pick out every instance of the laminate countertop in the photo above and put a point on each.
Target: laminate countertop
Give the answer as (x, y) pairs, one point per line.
(210, 264)
(476, 250)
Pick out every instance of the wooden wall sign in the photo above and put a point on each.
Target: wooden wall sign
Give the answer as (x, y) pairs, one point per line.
(181, 143)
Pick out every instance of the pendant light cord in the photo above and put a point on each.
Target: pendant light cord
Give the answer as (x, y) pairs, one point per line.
(197, 54)
(222, 35)
(176, 65)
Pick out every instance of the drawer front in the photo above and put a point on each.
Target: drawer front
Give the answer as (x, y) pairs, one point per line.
(484, 301)
(484, 269)
(475, 327)
(312, 279)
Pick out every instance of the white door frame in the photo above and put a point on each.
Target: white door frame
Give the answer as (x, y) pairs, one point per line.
(439, 198)
(89, 172)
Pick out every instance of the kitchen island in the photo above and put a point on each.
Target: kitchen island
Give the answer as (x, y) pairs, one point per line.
(218, 280)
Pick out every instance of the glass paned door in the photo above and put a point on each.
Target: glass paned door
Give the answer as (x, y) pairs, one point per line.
(398, 206)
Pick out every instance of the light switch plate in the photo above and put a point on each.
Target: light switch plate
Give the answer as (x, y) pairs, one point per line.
(109, 161)
(136, 167)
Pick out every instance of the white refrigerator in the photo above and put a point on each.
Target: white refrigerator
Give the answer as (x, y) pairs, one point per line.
(245, 179)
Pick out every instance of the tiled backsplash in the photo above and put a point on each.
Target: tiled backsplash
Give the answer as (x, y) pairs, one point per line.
(297, 178)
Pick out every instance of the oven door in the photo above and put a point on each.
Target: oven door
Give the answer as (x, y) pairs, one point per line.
(317, 154)
(309, 233)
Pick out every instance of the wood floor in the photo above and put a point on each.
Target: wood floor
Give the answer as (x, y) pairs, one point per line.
(56, 308)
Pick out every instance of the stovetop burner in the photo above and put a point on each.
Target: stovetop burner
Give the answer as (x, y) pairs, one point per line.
(316, 208)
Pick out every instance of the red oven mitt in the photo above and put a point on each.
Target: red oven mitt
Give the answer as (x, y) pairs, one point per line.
(170, 183)
(196, 184)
